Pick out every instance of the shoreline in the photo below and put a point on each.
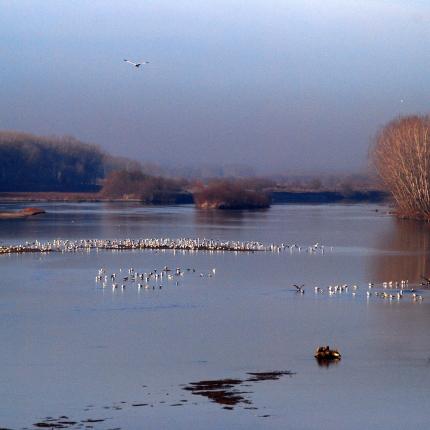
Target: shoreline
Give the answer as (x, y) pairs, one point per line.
(330, 196)
(278, 197)
(22, 213)
(43, 197)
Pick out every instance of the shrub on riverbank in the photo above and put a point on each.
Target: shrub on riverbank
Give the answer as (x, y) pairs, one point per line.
(124, 184)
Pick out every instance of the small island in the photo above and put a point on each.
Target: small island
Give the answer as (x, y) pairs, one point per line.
(231, 195)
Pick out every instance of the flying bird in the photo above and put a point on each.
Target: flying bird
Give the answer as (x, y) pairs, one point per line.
(136, 64)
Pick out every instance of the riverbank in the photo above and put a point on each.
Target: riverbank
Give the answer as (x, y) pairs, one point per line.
(366, 196)
(54, 196)
(23, 213)
(278, 197)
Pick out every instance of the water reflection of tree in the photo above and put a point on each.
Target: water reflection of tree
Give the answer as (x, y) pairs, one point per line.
(408, 246)
(230, 224)
(216, 216)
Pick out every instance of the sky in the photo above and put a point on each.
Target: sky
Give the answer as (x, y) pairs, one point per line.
(281, 85)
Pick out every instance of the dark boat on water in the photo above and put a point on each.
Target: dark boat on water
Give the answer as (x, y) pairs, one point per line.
(325, 353)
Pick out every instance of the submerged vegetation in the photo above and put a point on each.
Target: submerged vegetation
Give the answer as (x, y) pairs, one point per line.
(402, 158)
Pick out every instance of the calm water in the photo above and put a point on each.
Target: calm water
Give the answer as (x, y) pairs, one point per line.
(71, 348)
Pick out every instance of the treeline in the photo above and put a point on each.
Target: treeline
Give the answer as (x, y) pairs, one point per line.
(30, 163)
(340, 183)
(35, 163)
(135, 184)
(39, 163)
(214, 194)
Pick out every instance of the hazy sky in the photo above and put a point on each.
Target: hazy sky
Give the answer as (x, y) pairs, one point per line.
(284, 85)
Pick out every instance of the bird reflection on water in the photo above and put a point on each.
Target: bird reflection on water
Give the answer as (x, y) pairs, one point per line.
(327, 363)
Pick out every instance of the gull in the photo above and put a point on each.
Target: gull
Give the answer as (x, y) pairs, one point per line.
(299, 289)
(136, 64)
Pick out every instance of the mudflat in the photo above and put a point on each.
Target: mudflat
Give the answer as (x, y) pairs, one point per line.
(22, 213)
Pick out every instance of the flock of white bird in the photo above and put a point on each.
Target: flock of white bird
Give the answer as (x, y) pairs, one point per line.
(180, 244)
(388, 290)
(155, 279)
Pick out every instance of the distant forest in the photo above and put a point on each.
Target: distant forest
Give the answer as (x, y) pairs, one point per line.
(35, 163)
(30, 163)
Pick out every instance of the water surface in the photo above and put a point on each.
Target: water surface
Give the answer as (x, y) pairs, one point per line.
(72, 348)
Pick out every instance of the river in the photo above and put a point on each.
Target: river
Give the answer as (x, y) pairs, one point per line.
(77, 355)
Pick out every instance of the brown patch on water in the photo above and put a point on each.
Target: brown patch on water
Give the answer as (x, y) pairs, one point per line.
(229, 393)
(55, 423)
(90, 420)
(268, 376)
(64, 423)
(221, 391)
(226, 392)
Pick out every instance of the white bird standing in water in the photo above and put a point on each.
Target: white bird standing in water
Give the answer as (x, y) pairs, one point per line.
(137, 65)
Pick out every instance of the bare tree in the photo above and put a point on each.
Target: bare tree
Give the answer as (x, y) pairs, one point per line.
(402, 158)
